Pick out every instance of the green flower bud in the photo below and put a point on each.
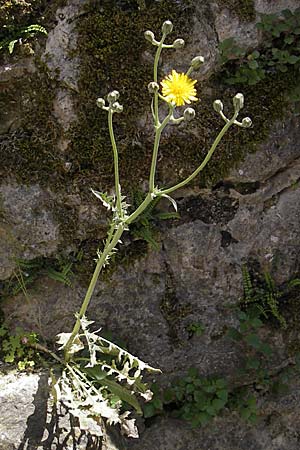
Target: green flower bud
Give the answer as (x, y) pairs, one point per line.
(197, 62)
(116, 107)
(153, 87)
(189, 114)
(247, 122)
(218, 106)
(238, 102)
(167, 27)
(149, 36)
(100, 102)
(113, 96)
(178, 43)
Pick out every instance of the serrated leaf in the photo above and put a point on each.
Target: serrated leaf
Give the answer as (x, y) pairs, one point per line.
(76, 346)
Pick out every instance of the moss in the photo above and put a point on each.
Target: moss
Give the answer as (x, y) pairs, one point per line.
(111, 46)
(29, 152)
(245, 9)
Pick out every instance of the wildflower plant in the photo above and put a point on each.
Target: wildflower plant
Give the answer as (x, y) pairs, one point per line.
(99, 378)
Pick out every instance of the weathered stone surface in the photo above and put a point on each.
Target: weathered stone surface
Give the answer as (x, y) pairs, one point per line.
(29, 420)
(277, 429)
(150, 303)
(281, 150)
(34, 231)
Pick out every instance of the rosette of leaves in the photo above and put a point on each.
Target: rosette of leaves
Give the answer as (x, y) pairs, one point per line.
(101, 382)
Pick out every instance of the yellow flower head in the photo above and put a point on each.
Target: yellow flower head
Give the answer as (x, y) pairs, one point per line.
(179, 88)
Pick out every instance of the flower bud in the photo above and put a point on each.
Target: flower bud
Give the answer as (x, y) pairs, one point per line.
(153, 87)
(167, 27)
(116, 107)
(113, 96)
(218, 106)
(238, 102)
(247, 122)
(178, 43)
(189, 114)
(100, 102)
(197, 62)
(149, 36)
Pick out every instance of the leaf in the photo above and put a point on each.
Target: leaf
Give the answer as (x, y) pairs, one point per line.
(218, 403)
(149, 410)
(253, 340)
(11, 45)
(253, 64)
(128, 427)
(122, 393)
(107, 200)
(234, 334)
(76, 346)
(171, 200)
(223, 395)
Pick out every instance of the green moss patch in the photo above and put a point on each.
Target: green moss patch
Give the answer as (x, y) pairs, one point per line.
(111, 47)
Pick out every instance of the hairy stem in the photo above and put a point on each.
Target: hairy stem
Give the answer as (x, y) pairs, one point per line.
(107, 249)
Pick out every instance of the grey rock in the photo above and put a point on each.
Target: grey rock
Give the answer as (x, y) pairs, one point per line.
(277, 429)
(279, 151)
(34, 231)
(29, 419)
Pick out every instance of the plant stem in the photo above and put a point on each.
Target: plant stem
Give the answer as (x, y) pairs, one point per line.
(116, 162)
(206, 159)
(107, 249)
(158, 132)
(155, 78)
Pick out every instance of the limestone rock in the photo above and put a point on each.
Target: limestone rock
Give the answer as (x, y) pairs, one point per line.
(29, 420)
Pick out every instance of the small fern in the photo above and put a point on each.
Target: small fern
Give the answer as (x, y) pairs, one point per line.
(17, 35)
(265, 298)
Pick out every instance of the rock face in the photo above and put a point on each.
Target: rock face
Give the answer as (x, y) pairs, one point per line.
(152, 300)
(30, 421)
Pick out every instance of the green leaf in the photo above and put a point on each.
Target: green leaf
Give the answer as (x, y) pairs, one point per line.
(245, 413)
(234, 334)
(252, 363)
(221, 383)
(253, 340)
(223, 395)
(293, 59)
(289, 39)
(168, 396)
(149, 410)
(11, 45)
(204, 418)
(218, 404)
(124, 394)
(253, 64)
(200, 397)
(266, 349)
(193, 372)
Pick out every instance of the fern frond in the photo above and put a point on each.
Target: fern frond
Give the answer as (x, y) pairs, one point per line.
(249, 296)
